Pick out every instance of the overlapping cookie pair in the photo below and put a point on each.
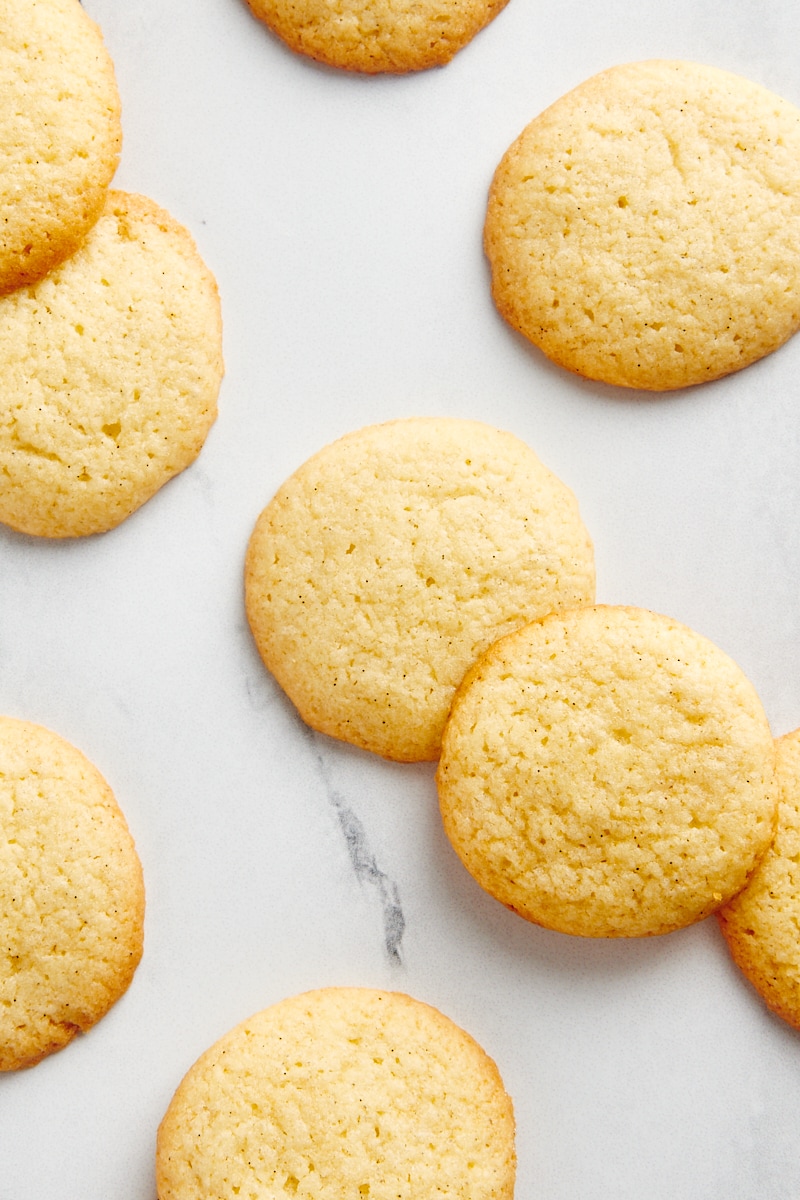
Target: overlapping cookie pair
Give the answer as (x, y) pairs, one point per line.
(110, 352)
(425, 589)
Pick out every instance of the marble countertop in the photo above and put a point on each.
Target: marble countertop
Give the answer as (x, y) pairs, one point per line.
(342, 216)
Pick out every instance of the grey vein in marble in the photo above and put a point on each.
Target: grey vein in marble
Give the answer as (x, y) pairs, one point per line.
(366, 867)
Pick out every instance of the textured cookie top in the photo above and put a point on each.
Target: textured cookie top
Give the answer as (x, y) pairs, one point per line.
(392, 558)
(376, 36)
(340, 1092)
(60, 134)
(608, 772)
(761, 924)
(71, 895)
(109, 371)
(645, 229)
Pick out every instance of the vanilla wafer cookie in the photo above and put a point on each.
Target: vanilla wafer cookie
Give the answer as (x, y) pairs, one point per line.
(608, 772)
(71, 895)
(110, 368)
(340, 1092)
(60, 134)
(387, 36)
(644, 230)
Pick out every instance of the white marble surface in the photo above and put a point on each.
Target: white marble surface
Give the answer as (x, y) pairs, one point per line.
(342, 216)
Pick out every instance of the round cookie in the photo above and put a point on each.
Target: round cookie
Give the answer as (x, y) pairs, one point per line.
(60, 134)
(110, 369)
(392, 558)
(761, 923)
(387, 36)
(645, 229)
(340, 1092)
(71, 895)
(609, 773)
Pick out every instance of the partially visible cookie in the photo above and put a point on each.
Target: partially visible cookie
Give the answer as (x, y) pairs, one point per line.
(392, 558)
(762, 923)
(342, 1092)
(60, 134)
(387, 36)
(110, 368)
(609, 773)
(644, 230)
(71, 895)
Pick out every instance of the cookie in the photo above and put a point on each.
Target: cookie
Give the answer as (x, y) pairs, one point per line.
(607, 772)
(60, 134)
(761, 923)
(110, 370)
(71, 895)
(340, 1092)
(645, 229)
(388, 36)
(392, 558)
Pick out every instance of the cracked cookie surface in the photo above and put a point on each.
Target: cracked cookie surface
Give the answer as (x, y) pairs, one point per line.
(644, 230)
